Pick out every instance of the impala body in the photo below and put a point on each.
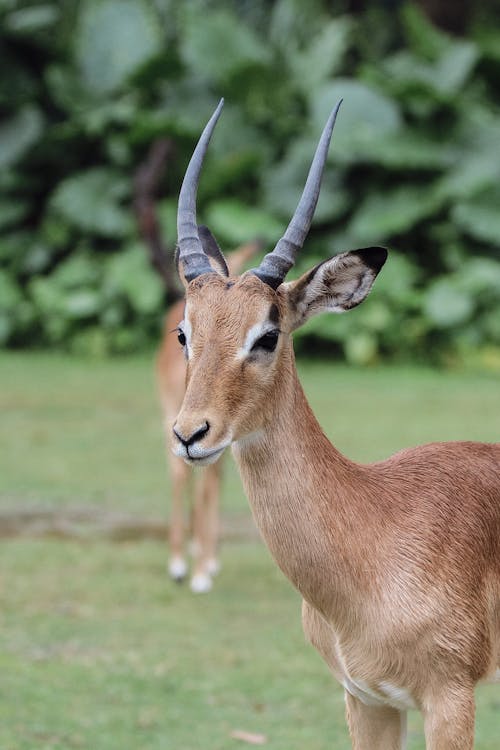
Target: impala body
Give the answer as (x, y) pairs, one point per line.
(398, 562)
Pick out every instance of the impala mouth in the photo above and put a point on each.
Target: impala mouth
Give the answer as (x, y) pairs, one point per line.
(197, 456)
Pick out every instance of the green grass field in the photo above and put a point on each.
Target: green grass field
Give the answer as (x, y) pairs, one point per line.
(98, 649)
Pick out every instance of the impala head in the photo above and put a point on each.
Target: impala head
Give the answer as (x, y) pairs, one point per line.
(236, 331)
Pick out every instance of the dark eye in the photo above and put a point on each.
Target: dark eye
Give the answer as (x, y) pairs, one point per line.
(181, 338)
(267, 342)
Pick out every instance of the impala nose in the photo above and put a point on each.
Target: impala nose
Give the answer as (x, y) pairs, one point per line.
(195, 436)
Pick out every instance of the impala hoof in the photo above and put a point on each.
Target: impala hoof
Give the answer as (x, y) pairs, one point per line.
(201, 583)
(177, 569)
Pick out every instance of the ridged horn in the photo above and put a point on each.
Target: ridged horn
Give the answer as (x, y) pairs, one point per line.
(275, 265)
(190, 250)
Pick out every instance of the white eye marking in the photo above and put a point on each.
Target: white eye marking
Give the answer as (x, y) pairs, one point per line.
(186, 329)
(254, 334)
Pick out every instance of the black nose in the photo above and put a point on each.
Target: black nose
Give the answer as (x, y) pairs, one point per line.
(194, 437)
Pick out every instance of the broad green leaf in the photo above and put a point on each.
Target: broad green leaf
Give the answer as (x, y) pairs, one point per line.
(293, 23)
(382, 215)
(113, 39)
(76, 271)
(406, 73)
(283, 184)
(408, 149)
(366, 115)
(32, 19)
(322, 57)
(488, 41)
(236, 223)
(441, 79)
(479, 276)
(377, 316)
(479, 219)
(423, 36)
(219, 45)
(90, 201)
(56, 327)
(473, 173)
(10, 294)
(114, 314)
(83, 303)
(455, 66)
(68, 90)
(129, 274)
(37, 258)
(48, 297)
(183, 110)
(19, 133)
(361, 348)
(398, 279)
(14, 245)
(446, 305)
(11, 212)
(327, 326)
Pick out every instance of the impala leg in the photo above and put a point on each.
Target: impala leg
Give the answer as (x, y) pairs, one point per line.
(179, 478)
(206, 528)
(375, 727)
(449, 720)
(213, 480)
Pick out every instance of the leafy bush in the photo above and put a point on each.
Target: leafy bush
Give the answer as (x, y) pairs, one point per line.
(415, 162)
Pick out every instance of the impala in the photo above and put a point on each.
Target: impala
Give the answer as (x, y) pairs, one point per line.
(398, 562)
(171, 379)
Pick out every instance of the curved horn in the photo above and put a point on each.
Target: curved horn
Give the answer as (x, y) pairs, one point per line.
(275, 265)
(191, 254)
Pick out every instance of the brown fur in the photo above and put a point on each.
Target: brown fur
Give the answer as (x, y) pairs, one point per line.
(398, 562)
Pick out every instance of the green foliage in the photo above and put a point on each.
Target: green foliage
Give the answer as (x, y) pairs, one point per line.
(415, 162)
(18, 134)
(90, 201)
(113, 39)
(235, 222)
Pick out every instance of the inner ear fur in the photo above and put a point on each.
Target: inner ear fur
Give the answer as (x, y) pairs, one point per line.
(335, 285)
(212, 250)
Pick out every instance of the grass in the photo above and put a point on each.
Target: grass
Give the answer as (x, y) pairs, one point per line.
(75, 432)
(98, 649)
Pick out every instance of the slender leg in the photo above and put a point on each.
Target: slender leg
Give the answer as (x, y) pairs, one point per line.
(371, 727)
(179, 478)
(449, 719)
(205, 528)
(213, 480)
(375, 727)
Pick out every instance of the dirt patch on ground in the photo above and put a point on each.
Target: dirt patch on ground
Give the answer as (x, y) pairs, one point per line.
(90, 523)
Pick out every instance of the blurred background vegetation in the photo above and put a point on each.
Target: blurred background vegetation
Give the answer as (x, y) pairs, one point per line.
(87, 86)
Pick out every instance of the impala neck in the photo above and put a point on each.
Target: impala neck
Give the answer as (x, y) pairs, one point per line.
(301, 491)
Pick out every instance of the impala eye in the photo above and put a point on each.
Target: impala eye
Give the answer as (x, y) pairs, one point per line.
(267, 342)
(181, 338)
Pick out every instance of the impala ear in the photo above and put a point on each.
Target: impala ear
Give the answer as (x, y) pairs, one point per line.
(336, 285)
(212, 250)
